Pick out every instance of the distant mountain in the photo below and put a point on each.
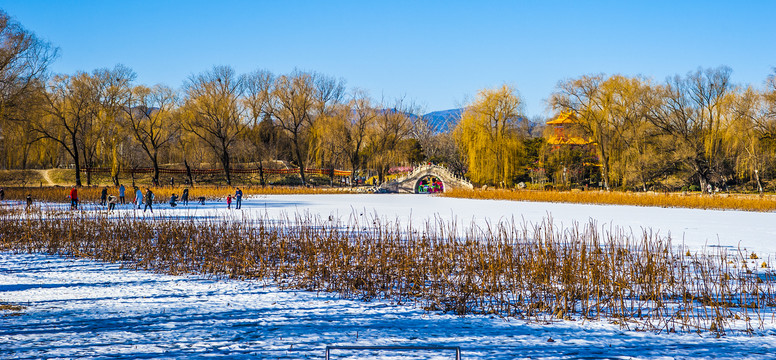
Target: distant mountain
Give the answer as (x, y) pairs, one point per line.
(444, 120)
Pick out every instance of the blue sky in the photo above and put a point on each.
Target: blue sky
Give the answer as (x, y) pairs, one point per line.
(435, 53)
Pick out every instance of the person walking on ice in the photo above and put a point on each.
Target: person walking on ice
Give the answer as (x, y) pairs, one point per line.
(122, 192)
(73, 198)
(112, 201)
(104, 196)
(138, 197)
(149, 201)
(238, 197)
(228, 201)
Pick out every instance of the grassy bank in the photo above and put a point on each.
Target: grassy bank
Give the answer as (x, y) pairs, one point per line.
(693, 201)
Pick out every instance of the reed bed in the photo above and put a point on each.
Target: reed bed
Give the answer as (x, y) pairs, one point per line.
(694, 201)
(533, 272)
(161, 194)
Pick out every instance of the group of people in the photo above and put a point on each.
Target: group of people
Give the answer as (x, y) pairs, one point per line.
(29, 198)
(237, 197)
(146, 200)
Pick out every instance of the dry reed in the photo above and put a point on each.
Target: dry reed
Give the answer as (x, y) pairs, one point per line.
(538, 272)
(694, 201)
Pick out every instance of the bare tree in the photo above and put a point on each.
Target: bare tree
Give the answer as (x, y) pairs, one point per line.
(215, 111)
(297, 101)
(23, 61)
(360, 117)
(391, 127)
(587, 101)
(692, 112)
(149, 113)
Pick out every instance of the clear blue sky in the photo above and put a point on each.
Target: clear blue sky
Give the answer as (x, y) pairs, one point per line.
(437, 53)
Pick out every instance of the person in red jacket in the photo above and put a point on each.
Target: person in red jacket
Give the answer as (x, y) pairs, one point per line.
(73, 198)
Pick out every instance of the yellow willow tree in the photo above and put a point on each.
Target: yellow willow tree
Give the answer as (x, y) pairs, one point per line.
(631, 138)
(215, 112)
(328, 139)
(489, 136)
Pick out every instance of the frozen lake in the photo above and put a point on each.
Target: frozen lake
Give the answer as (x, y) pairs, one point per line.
(754, 231)
(86, 309)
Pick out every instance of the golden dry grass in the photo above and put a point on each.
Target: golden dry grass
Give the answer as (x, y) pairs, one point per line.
(540, 273)
(694, 201)
(162, 194)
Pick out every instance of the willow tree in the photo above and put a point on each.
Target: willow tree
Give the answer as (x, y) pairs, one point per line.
(489, 136)
(23, 62)
(113, 87)
(214, 112)
(69, 113)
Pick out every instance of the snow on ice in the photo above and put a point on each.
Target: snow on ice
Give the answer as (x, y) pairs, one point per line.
(77, 308)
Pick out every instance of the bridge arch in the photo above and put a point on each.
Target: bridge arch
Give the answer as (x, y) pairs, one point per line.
(411, 182)
(429, 184)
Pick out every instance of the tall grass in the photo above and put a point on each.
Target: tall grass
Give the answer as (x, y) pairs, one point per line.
(694, 201)
(534, 272)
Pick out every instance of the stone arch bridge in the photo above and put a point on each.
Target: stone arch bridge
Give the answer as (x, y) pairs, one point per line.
(411, 182)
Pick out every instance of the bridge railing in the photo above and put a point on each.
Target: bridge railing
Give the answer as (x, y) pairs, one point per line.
(439, 168)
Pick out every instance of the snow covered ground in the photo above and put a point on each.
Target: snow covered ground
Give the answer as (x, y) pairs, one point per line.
(86, 309)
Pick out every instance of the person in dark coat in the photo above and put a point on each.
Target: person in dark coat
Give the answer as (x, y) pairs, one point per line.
(238, 198)
(185, 196)
(149, 201)
(104, 196)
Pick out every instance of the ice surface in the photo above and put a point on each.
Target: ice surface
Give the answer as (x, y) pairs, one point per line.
(86, 309)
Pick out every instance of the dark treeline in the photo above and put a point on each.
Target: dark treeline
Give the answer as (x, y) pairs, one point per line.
(698, 129)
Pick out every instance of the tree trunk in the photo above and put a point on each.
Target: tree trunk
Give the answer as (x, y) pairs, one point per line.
(261, 173)
(188, 172)
(354, 161)
(301, 162)
(225, 163)
(156, 169)
(76, 159)
(114, 170)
